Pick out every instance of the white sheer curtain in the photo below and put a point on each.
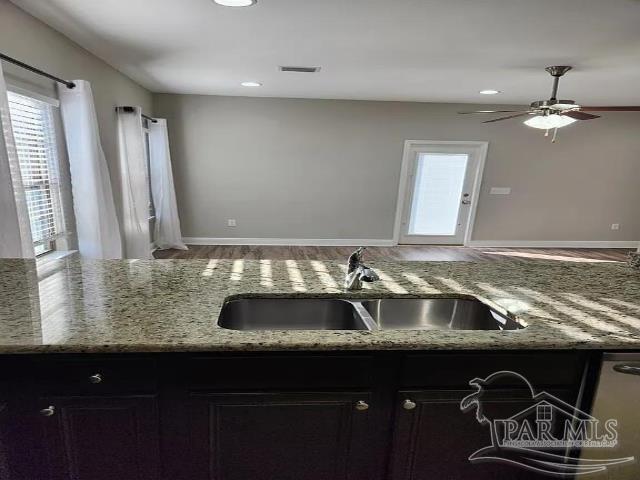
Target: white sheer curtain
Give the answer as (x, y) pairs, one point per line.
(134, 183)
(96, 221)
(167, 228)
(15, 230)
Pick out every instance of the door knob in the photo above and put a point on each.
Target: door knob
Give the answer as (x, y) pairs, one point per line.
(408, 404)
(361, 405)
(48, 412)
(95, 378)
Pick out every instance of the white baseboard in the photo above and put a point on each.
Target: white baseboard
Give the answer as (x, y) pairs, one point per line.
(319, 242)
(356, 242)
(555, 243)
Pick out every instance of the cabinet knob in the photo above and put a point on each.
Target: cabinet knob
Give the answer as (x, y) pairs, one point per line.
(95, 378)
(408, 404)
(48, 412)
(361, 405)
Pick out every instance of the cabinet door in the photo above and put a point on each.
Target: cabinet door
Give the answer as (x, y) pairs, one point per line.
(433, 438)
(284, 436)
(100, 438)
(4, 443)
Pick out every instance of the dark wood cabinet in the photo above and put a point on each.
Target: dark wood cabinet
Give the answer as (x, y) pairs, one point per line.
(262, 417)
(100, 438)
(433, 438)
(288, 436)
(4, 442)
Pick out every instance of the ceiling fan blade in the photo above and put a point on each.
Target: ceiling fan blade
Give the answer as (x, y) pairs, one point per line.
(489, 111)
(507, 118)
(628, 108)
(580, 115)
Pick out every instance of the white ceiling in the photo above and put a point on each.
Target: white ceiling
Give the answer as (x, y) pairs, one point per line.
(419, 50)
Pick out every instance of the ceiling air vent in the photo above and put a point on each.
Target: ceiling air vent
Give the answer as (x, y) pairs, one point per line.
(300, 69)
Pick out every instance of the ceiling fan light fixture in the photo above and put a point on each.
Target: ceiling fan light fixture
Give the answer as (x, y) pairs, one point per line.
(236, 3)
(547, 122)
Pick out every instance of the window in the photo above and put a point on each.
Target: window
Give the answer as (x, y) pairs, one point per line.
(35, 136)
(439, 180)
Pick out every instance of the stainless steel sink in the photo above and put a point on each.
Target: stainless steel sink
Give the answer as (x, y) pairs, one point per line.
(290, 314)
(436, 314)
(378, 314)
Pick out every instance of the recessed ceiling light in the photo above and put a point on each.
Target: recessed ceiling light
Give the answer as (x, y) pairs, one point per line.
(490, 92)
(236, 3)
(251, 84)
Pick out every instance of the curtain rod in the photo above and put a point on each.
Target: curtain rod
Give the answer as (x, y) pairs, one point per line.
(9, 59)
(132, 109)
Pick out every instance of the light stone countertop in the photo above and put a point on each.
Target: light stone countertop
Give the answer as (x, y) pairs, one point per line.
(76, 306)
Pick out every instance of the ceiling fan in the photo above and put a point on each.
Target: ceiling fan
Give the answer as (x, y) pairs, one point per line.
(553, 113)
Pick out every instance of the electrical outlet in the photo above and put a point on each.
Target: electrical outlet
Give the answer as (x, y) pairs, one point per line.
(500, 191)
(615, 226)
(232, 222)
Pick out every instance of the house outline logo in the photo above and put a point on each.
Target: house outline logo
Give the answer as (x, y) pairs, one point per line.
(545, 436)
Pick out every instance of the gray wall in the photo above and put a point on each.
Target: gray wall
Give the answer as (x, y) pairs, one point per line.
(29, 40)
(292, 168)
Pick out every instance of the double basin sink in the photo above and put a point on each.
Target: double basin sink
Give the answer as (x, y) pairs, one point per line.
(370, 314)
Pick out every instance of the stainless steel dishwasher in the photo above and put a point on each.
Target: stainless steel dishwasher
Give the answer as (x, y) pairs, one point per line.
(618, 396)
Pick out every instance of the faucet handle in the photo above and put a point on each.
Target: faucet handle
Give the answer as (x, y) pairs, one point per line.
(368, 275)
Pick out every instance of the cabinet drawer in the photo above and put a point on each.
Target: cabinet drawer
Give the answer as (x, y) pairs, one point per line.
(82, 376)
(457, 369)
(287, 371)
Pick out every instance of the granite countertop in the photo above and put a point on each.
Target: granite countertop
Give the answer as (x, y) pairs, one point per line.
(72, 305)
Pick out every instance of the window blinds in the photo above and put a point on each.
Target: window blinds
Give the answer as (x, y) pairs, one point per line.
(34, 133)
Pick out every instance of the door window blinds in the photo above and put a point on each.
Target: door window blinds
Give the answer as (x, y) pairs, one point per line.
(35, 137)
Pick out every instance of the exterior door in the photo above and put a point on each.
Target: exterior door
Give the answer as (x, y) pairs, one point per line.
(439, 191)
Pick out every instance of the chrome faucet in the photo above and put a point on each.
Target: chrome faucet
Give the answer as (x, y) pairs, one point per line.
(358, 272)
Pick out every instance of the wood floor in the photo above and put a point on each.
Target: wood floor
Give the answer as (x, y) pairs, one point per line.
(404, 252)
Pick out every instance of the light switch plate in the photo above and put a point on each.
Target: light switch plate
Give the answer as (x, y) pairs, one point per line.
(500, 190)
(615, 226)
(232, 222)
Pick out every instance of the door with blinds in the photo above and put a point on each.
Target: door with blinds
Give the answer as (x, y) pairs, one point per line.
(37, 147)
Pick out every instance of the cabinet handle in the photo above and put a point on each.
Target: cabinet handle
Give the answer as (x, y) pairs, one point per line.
(95, 378)
(48, 412)
(408, 404)
(361, 405)
(626, 368)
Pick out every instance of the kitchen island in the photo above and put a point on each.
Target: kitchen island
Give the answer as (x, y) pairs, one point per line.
(76, 306)
(118, 369)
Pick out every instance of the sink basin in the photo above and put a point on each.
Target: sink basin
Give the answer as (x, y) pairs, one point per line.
(436, 314)
(380, 314)
(290, 314)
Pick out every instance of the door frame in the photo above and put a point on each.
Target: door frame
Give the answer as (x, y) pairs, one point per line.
(404, 187)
